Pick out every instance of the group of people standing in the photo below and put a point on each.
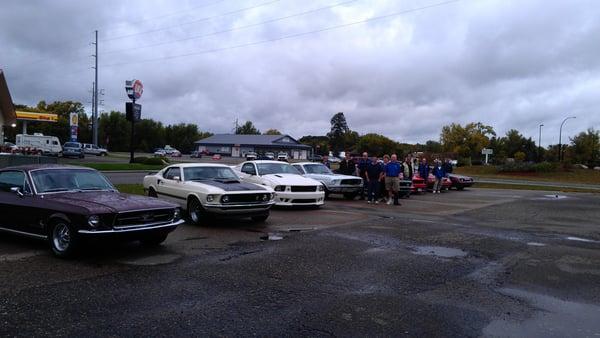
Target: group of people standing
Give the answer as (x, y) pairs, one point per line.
(381, 178)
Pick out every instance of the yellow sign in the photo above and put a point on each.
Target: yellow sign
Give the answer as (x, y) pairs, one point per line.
(74, 119)
(32, 116)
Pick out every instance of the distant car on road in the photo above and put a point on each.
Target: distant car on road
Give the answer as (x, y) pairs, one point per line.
(10, 147)
(73, 149)
(216, 157)
(460, 182)
(207, 190)
(67, 205)
(270, 155)
(94, 150)
(251, 156)
(282, 156)
(349, 186)
(291, 189)
(160, 152)
(170, 151)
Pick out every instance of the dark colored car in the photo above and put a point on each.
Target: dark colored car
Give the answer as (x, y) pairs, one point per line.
(460, 182)
(73, 149)
(68, 205)
(405, 188)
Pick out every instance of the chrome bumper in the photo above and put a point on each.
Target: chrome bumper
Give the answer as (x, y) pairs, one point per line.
(132, 229)
(238, 208)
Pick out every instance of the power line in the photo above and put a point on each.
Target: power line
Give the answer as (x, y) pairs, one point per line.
(289, 36)
(233, 29)
(192, 22)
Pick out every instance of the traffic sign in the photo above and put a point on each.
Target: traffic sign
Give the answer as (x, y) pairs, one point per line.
(486, 151)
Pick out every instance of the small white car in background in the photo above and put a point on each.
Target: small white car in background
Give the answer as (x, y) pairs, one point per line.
(94, 150)
(291, 189)
(349, 186)
(282, 156)
(206, 190)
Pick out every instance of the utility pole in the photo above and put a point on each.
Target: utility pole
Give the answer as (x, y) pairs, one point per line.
(95, 101)
(540, 144)
(560, 157)
(93, 110)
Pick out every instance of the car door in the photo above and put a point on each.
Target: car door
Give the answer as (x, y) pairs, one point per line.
(17, 209)
(169, 186)
(250, 170)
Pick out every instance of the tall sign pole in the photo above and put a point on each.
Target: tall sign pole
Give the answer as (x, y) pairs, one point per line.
(95, 103)
(133, 111)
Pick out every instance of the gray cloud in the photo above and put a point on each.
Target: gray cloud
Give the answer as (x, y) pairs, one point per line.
(511, 65)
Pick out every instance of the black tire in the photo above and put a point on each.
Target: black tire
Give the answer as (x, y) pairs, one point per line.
(154, 240)
(350, 195)
(327, 193)
(152, 193)
(63, 239)
(196, 212)
(460, 188)
(260, 218)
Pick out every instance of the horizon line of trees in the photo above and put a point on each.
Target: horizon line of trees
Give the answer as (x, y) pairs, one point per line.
(463, 141)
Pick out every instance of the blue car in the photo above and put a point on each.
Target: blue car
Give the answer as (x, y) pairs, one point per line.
(73, 149)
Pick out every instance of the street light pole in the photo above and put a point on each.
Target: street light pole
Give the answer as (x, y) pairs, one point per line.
(560, 137)
(540, 143)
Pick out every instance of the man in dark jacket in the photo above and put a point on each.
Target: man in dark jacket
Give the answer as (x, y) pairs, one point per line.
(447, 167)
(362, 165)
(424, 169)
(347, 165)
(373, 175)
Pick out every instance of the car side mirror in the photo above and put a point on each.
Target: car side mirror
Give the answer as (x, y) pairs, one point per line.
(17, 190)
(176, 178)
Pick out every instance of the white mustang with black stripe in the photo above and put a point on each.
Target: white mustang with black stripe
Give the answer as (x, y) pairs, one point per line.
(206, 190)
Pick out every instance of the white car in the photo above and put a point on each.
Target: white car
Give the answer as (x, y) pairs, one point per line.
(349, 186)
(94, 150)
(291, 188)
(282, 156)
(206, 190)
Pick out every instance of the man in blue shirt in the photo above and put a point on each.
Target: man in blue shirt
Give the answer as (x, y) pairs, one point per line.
(392, 179)
(439, 173)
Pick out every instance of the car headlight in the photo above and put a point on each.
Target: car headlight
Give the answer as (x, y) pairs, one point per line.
(272, 196)
(280, 188)
(225, 199)
(321, 188)
(94, 221)
(210, 198)
(176, 214)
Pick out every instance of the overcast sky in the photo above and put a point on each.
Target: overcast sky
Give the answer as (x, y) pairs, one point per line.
(292, 64)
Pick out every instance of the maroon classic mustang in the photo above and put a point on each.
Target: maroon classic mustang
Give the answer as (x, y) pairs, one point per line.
(67, 205)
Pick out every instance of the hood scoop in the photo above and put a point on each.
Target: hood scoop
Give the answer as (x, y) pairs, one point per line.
(277, 175)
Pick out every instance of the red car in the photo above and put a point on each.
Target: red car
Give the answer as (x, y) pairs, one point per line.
(216, 157)
(446, 183)
(418, 184)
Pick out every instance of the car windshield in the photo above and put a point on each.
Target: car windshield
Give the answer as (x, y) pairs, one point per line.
(208, 173)
(72, 145)
(316, 169)
(55, 180)
(276, 168)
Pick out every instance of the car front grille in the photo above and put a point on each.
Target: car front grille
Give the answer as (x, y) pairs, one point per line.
(144, 217)
(351, 181)
(245, 198)
(304, 188)
(304, 201)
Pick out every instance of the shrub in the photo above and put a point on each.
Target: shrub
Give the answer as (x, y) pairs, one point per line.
(520, 156)
(523, 167)
(464, 162)
(140, 159)
(156, 161)
(545, 167)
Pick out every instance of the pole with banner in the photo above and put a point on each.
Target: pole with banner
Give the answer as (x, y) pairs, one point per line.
(133, 111)
(487, 153)
(74, 125)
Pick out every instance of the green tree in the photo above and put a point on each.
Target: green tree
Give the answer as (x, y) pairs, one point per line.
(320, 144)
(247, 128)
(338, 135)
(376, 144)
(272, 132)
(467, 141)
(585, 147)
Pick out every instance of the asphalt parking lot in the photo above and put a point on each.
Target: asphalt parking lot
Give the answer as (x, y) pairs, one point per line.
(474, 263)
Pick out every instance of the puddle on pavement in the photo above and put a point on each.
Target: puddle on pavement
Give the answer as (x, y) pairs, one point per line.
(151, 260)
(271, 237)
(535, 244)
(554, 318)
(579, 239)
(439, 251)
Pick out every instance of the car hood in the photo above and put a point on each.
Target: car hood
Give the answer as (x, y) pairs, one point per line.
(108, 202)
(287, 179)
(228, 186)
(460, 176)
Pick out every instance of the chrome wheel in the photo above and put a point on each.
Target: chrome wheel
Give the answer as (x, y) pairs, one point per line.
(61, 237)
(194, 210)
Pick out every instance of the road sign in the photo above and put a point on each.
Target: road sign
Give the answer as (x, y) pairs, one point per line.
(74, 119)
(134, 89)
(486, 151)
(133, 111)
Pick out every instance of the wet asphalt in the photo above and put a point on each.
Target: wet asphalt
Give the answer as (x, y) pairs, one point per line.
(474, 263)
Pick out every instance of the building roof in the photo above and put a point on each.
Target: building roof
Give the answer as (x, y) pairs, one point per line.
(7, 108)
(252, 140)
